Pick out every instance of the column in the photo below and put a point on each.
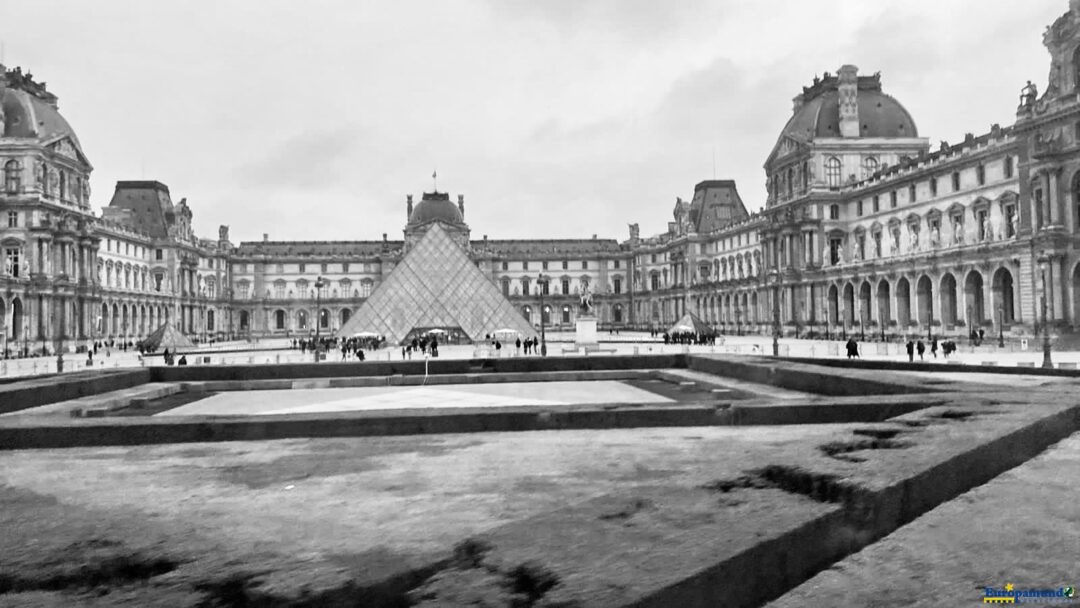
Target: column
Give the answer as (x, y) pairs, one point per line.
(1054, 283)
(1053, 196)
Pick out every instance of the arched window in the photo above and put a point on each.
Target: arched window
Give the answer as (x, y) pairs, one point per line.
(617, 313)
(279, 319)
(565, 314)
(63, 184)
(790, 181)
(832, 172)
(243, 320)
(869, 166)
(12, 177)
(302, 319)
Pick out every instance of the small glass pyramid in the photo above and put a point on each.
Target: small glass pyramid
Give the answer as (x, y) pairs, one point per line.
(436, 285)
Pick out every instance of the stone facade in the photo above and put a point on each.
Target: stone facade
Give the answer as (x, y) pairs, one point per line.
(866, 227)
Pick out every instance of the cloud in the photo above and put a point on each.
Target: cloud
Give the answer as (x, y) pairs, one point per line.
(308, 159)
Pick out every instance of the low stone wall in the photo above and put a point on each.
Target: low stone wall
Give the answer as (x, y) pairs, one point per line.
(801, 375)
(191, 373)
(135, 431)
(33, 392)
(1026, 370)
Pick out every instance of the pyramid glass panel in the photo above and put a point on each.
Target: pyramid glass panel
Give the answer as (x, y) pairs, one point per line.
(436, 285)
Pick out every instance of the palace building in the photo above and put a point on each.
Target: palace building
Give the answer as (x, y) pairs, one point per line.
(864, 227)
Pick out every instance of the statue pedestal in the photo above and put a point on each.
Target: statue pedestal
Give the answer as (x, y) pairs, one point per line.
(586, 331)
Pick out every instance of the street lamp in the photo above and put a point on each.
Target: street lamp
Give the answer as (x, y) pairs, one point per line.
(970, 327)
(319, 284)
(1001, 327)
(1047, 364)
(541, 283)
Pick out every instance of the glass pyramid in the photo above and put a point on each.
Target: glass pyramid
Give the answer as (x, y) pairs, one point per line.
(436, 285)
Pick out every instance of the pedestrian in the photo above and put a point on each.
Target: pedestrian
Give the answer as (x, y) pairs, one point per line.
(517, 346)
(183, 360)
(933, 348)
(498, 348)
(921, 348)
(910, 351)
(403, 353)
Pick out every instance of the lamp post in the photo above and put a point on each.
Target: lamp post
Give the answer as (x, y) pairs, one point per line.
(971, 336)
(1001, 327)
(541, 282)
(319, 284)
(1047, 364)
(828, 315)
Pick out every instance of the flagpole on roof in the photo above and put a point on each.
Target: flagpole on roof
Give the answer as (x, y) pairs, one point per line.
(434, 178)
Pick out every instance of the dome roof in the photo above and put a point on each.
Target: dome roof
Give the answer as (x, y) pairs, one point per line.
(880, 115)
(436, 206)
(30, 117)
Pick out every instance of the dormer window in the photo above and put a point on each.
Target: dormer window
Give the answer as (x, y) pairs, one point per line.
(12, 177)
(833, 170)
(869, 166)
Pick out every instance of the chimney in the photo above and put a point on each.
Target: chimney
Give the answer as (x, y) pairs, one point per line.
(594, 237)
(384, 237)
(266, 238)
(461, 205)
(408, 207)
(849, 101)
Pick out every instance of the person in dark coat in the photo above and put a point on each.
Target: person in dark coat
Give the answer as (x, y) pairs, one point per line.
(183, 360)
(933, 348)
(852, 348)
(921, 348)
(910, 350)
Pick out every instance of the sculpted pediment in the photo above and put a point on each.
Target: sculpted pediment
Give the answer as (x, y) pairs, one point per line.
(67, 148)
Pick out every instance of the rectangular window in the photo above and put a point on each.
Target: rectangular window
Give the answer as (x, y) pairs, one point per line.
(877, 244)
(653, 260)
(617, 285)
(525, 265)
(524, 287)
(566, 264)
(654, 282)
(877, 203)
(980, 225)
(566, 286)
(834, 212)
(858, 208)
(584, 264)
(545, 287)
(1010, 221)
(861, 245)
(280, 268)
(323, 268)
(544, 265)
(980, 175)
(303, 267)
(933, 186)
(13, 219)
(911, 193)
(956, 181)
(11, 261)
(1008, 167)
(506, 265)
(892, 199)
(834, 251)
(279, 291)
(345, 267)
(242, 290)
(159, 254)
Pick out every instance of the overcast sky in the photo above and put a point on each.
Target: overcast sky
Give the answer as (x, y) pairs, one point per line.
(555, 118)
